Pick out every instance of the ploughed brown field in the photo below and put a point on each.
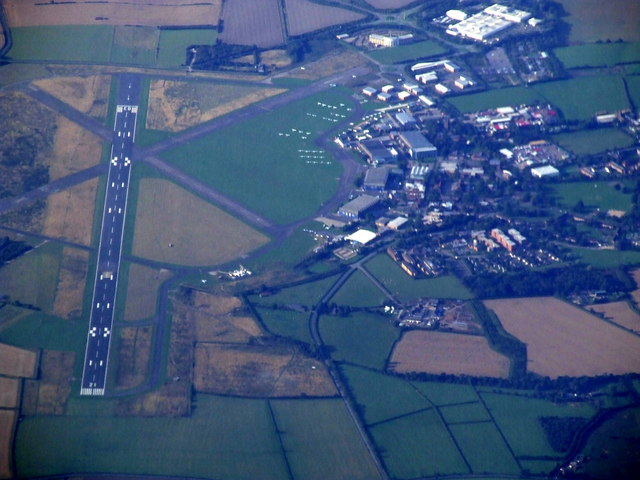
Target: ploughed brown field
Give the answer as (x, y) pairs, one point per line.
(9, 390)
(388, 4)
(620, 313)
(304, 16)
(17, 362)
(439, 352)
(563, 340)
(252, 22)
(7, 424)
(25, 13)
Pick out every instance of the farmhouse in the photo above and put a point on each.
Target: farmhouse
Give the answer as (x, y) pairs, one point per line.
(419, 147)
(358, 206)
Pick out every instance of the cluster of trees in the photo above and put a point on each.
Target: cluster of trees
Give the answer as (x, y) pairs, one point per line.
(212, 57)
(560, 431)
(10, 249)
(555, 281)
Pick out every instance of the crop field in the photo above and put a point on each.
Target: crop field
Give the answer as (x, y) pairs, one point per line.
(113, 12)
(252, 22)
(593, 20)
(606, 258)
(304, 16)
(32, 278)
(296, 175)
(438, 352)
(633, 86)
(71, 282)
(484, 448)
(309, 293)
(7, 424)
(600, 195)
(174, 106)
(142, 291)
(635, 295)
(9, 390)
(359, 291)
(52, 389)
(620, 313)
(135, 45)
(405, 53)
(577, 98)
(286, 323)
(418, 446)
(191, 232)
(134, 351)
(389, 4)
(564, 340)
(383, 397)
(517, 418)
(407, 288)
(259, 371)
(17, 362)
(172, 45)
(360, 338)
(315, 433)
(87, 94)
(591, 142)
(63, 43)
(598, 54)
(227, 438)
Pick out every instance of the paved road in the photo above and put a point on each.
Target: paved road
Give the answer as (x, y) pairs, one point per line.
(96, 359)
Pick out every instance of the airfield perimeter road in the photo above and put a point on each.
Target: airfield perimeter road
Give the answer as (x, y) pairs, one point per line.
(96, 359)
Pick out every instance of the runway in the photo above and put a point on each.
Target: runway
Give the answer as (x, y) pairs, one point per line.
(96, 359)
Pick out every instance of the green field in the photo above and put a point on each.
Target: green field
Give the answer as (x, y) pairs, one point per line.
(289, 187)
(287, 254)
(359, 291)
(598, 54)
(517, 418)
(484, 448)
(32, 278)
(405, 53)
(360, 338)
(71, 43)
(466, 412)
(383, 397)
(286, 323)
(633, 86)
(315, 434)
(309, 293)
(607, 258)
(591, 142)
(446, 393)
(407, 288)
(578, 98)
(418, 446)
(227, 438)
(173, 44)
(135, 45)
(601, 195)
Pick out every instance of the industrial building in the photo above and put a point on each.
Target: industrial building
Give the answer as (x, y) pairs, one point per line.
(545, 171)
(377, 152)
(359, 205)
(376, 179)
(419, 147)
(405, 119)
(488, 23)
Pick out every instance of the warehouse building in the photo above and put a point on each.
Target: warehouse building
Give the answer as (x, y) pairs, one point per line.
(359, 205)
(376, 179)
(419, 147)
(376, 152)
(546, 171)
(406, 119)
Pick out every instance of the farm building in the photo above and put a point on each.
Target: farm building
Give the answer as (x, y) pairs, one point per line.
(376, 152)
(413, 88)
(376, 178)
(358, 206)
(546, 171)
(403, 95)
(369, 91)
(387, 88)
(384, 97)
(442, 89)
(426, 77)
(419, 147)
